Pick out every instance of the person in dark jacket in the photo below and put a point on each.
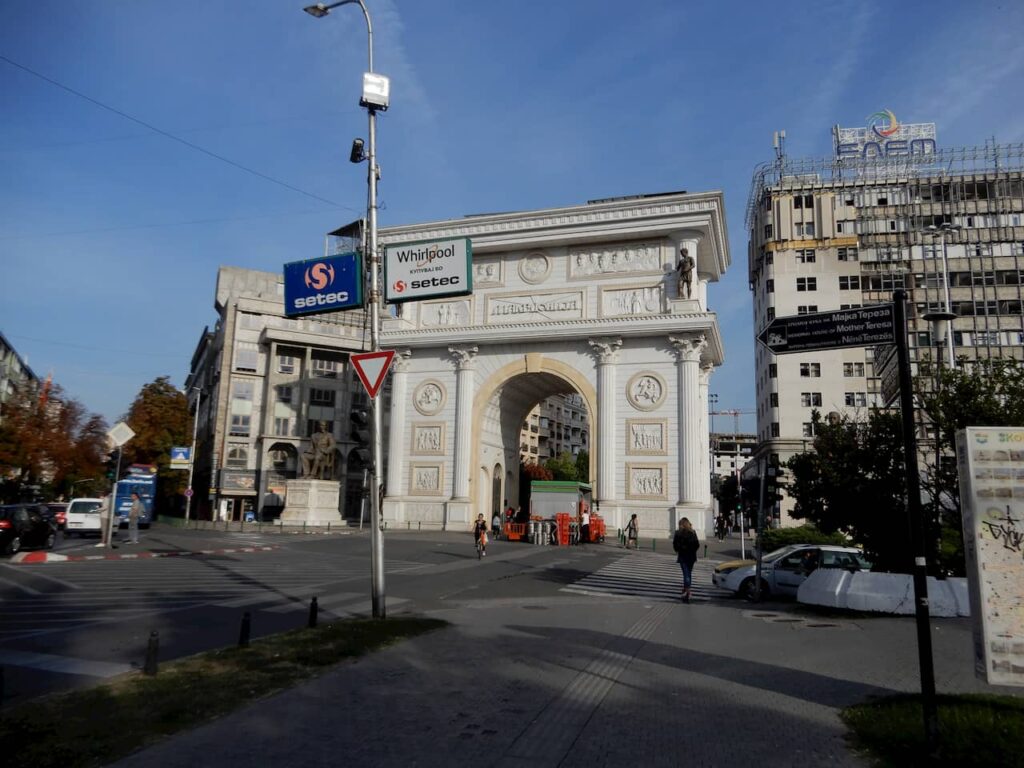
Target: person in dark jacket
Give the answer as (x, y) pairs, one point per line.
(686, 544)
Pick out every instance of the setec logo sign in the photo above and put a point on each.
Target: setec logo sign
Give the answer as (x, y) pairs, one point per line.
(323, 285)
(884, 137)
(424, 270)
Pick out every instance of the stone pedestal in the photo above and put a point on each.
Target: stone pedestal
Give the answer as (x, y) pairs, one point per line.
(312, 501)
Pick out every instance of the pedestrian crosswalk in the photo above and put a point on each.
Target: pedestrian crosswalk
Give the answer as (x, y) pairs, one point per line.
(651, 576)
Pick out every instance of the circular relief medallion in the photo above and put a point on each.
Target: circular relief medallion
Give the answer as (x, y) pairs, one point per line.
(534, 268)
(646, 391)
(429, 397)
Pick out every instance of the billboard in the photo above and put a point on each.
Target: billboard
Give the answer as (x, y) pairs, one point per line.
(427, 270)
(323, 285)
(884, 137)
(990, 461)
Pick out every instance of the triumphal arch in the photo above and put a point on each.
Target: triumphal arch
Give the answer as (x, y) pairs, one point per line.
(591, 300)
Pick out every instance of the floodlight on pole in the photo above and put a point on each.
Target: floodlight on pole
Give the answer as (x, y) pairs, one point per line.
(375, 96)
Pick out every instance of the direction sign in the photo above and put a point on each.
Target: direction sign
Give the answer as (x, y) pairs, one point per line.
(120, 434)
(181, 457)
(372, 367)
(831, 330)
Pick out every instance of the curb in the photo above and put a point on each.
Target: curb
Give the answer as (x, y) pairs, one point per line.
(32, 558)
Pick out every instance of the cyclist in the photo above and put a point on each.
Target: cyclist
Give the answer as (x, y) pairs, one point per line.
(480, 534)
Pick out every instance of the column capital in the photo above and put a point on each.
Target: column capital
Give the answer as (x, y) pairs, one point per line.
(401, 360)
(705, 373)
(463, 357)
(606, 350)
(689, 350)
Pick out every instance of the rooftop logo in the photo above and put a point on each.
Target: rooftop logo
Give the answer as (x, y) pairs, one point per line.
(319, 276)
(883, 123)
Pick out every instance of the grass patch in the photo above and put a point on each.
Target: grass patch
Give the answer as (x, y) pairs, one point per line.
(95, 726)
(974, 730)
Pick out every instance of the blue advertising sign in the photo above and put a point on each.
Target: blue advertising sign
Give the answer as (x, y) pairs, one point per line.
(322, 285)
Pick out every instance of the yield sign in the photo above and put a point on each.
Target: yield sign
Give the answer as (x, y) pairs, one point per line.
(372, 367)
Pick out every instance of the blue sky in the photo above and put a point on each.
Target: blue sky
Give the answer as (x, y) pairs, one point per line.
(111, 233)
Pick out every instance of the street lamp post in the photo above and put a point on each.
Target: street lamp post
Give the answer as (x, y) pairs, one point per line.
(192, 454)
(376, 91)
(942, 321)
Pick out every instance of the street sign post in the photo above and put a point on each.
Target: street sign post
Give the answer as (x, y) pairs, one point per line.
(861, 327)
(119, 434)
(371, 368)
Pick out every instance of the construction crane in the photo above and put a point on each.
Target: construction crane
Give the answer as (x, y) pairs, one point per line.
(735, 413)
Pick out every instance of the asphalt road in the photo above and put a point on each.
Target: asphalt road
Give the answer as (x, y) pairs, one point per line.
(65, 624)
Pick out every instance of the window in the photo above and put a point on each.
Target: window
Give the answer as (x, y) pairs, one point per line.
(769, 285)
(806, 309)
(238, 455)
(849, 282)
(767, 231)
(845, 227)
(808, 429)
(773, 399)
(856, 399)
(851, 370)
(240, 424)
(806, 256)
(810, 399)
(775, 429)
(773, 371)
(247, 355)
(807, 284)
(806, 229)
(810, 370)
(769, 257)
(285, 364)
(284, 394)
(771, 314)
(241, 389)
(847, 254)
(321, 396)
(284, 427)
(803, 201)
(327, 369)
(883, 200)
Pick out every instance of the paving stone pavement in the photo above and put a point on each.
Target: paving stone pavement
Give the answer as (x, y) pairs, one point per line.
(575, 681)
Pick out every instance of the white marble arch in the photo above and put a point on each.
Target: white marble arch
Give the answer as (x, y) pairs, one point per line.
(578, 300)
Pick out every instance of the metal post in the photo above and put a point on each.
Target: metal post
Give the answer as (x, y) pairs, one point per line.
(916, 522)
(949, 308)
(760, 530)
(192, 456)
(111, 507)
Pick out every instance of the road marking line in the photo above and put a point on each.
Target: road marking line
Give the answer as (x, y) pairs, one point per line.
(63, 664)
(37, 575)
(22, 587)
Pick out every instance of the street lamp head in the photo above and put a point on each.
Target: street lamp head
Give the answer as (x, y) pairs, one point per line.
(376, 91)
(318, 11)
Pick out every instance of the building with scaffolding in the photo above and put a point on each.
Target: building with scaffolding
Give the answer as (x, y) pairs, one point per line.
(889, 210)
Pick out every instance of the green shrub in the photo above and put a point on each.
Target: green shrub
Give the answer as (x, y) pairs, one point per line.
(774, 538)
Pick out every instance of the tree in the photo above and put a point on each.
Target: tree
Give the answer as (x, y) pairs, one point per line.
(854, 483)
(562, 467)
(583, 466)
(986, 393)
(160, 419)
(48, 445)
(534, 471)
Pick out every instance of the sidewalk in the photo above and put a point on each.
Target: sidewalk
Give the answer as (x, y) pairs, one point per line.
(578, 682)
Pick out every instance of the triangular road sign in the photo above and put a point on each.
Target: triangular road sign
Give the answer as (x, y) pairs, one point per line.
(372, 367)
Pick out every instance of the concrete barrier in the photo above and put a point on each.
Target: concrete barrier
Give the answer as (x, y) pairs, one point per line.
(882, 593)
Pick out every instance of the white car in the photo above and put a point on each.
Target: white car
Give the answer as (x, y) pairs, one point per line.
(785, 569)
(83, 516)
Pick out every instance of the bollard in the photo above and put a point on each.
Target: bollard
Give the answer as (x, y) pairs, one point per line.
(328, 526)
(303, 526)
(152, 650)
(705, 551)
(243, 632)
(313, 611)
(408, 525)
(419, 526)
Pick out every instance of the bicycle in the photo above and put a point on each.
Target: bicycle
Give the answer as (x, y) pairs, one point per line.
(481, 546)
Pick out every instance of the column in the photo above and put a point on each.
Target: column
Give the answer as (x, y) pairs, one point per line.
(396, 433)
(705, 433)
(464, 392)
(607, 353)
(688, 353)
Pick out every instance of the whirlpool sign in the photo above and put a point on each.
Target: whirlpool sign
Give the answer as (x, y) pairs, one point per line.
(322, 285)
(427, 270)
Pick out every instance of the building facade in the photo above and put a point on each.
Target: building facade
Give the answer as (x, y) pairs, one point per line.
(846, 231)
(260, 384)
(14, 372)
(558, 425)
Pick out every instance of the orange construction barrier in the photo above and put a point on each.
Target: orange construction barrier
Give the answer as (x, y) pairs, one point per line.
(597, 528)
(562, 525)
(514, 531)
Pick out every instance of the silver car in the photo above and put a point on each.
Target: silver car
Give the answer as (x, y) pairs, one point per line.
(785, 569)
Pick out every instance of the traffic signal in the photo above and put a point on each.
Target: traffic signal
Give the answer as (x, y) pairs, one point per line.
(360, 435)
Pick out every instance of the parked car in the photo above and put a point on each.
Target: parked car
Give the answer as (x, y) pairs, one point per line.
(785, 569)
(60, 513)
(83, 516)
(26, 525)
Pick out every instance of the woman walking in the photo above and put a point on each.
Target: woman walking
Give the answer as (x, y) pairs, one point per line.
(686, 544)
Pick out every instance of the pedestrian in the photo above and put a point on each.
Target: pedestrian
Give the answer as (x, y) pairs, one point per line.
(585, 525)
(136, 511)
(686, 544)
(496, 524)
(632, 533)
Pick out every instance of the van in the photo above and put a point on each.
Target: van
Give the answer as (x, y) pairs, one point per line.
(83, 516)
